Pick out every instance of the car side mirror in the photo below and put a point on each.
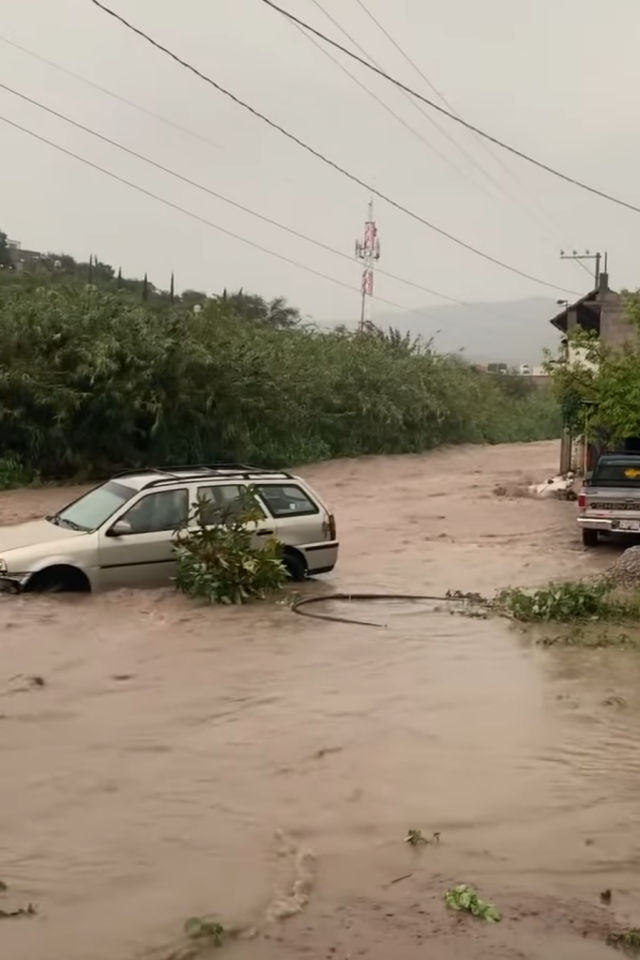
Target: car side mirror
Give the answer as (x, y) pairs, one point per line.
(120, 529)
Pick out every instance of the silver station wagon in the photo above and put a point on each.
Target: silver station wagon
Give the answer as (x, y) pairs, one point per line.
(121, 533)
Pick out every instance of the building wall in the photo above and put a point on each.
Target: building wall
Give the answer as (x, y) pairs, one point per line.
(615, 329)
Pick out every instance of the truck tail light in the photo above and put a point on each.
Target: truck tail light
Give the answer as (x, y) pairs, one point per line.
(582, 501)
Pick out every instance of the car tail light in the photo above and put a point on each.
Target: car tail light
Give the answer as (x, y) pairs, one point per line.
(582, 501)
(332, 527)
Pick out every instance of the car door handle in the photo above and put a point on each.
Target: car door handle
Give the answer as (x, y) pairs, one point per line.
(264, 533)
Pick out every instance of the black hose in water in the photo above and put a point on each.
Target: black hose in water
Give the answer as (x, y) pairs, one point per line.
(348, 597)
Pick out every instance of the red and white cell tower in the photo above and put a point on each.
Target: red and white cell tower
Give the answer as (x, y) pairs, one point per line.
(367, 250)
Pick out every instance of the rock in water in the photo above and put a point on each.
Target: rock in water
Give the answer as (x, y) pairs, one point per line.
(625, 572)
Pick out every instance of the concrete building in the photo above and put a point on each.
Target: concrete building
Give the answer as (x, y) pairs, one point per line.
(602, 312)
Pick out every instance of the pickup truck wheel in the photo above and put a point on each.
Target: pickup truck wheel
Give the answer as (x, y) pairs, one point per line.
(590, 538)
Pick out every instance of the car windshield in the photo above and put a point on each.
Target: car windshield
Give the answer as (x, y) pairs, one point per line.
(95, 508)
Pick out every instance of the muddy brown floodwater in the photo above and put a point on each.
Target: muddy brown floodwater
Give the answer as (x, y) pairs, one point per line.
(265, 768)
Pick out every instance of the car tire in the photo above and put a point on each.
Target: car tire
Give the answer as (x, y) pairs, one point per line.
(590, 538)
(295, 566)
(58, 580)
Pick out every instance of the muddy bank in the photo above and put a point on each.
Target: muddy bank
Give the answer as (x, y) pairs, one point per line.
(153, 775)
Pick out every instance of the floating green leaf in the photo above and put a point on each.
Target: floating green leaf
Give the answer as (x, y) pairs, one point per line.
(464, 897)
(628, 941)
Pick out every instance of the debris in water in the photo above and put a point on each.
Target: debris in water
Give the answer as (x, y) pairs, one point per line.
(405, 876)
(628, 942)
(416, 837)
(28, 911)
(201, 928)
(614, 701)
(464, 897)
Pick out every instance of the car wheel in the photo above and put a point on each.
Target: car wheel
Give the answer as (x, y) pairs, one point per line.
(58, 580)
(295, 566)
(590, 538)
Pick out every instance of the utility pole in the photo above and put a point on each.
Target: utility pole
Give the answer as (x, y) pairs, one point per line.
(367, 250)
(587, 255)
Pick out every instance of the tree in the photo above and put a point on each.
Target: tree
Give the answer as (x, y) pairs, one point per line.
(274, 313)
(5, 253)
(600, 391)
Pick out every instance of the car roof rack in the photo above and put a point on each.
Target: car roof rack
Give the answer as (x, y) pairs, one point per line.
(197, 471)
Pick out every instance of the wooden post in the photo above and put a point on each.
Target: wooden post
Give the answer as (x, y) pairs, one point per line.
(565, 451)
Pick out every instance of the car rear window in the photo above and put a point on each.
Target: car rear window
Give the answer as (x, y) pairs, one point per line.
(619, 473)
(286, 500)
(222, 499)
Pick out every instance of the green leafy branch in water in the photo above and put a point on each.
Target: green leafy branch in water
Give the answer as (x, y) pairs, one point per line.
(628, 942)
(416, 838)
(205, 928)
(464, 897)
(564, 602)
(594, 639)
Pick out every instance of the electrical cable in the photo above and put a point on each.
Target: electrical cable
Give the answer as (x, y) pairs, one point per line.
(410, 99)
(435, 106)
(385, 106)
(543, 213)
(111, 93)
(218, 196)
(320, 156)
(203, 220)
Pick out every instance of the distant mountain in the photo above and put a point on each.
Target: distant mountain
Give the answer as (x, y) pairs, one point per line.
(507, 332)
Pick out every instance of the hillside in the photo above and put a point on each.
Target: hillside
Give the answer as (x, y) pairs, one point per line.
(507, 332)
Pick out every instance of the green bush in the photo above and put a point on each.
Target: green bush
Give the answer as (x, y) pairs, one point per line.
(564, 602)
(217, 561)
(92, 380)
(12, 473)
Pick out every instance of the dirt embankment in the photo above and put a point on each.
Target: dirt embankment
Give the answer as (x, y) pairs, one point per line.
(154, 772)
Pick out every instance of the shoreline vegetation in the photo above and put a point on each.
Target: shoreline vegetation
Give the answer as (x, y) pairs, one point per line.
(96, 377)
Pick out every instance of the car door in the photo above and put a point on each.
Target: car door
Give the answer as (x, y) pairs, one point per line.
(298, 518)
(145, 553)
(226, 496)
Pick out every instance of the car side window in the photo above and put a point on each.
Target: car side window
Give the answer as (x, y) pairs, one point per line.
(165, 510)
(286, 500)
(221, 499)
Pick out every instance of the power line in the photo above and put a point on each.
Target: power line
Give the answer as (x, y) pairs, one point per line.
(322, 157)
(410, 99)
(111, 93)
(423, 111)
(218, 196)
(379, 101)
(200, 219)
(403, 53)
(430, 103)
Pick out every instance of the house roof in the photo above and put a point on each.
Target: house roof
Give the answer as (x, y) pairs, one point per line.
(588, 306)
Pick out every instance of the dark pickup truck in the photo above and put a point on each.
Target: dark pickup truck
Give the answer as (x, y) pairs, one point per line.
(609, 502)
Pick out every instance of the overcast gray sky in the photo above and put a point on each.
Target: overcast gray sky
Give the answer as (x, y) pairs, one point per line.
(557, 78)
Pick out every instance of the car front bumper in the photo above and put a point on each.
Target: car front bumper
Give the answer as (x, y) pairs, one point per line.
(12, 582)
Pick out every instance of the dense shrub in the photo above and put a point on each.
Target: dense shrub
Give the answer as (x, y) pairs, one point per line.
(92, 380)
(218, 560)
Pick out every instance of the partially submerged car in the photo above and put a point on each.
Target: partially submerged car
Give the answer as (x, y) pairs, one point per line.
(609, 502)
(121, 533)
